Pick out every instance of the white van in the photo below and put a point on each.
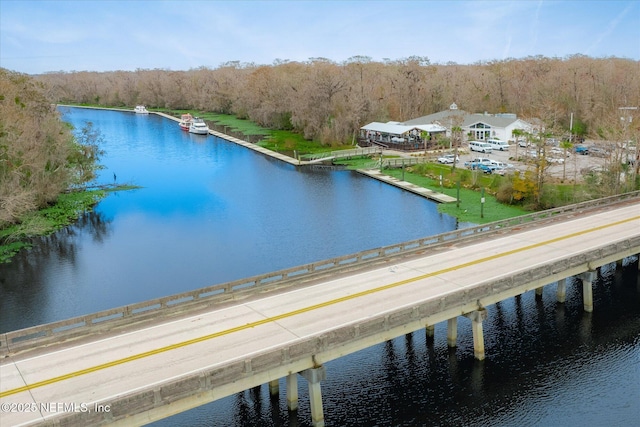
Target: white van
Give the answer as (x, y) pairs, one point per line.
(482, 147)
(498, 144)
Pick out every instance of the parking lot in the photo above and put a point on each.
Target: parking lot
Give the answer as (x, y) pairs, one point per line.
(573, 165)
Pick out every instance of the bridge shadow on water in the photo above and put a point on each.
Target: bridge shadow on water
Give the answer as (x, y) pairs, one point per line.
(547, 364)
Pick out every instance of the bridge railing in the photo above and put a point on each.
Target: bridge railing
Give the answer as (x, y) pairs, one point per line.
(107, 319)
(398, 163)
(303, 353)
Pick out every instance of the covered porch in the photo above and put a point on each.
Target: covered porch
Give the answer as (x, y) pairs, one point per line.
(396, 136)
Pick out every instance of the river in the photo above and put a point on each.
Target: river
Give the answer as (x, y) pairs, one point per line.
(209, 211)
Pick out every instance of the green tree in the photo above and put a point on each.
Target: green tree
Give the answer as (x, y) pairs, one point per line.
(517, 134)
(39, 157)
(456, 140)
(425, 137)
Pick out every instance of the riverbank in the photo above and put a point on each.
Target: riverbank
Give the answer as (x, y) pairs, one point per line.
(65, 211)
(474, 207)
(470, 209)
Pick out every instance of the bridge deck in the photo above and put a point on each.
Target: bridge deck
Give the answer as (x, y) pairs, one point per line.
(141, 360)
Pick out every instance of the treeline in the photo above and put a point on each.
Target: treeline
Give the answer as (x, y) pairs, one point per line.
(329, 101)
(39, 156)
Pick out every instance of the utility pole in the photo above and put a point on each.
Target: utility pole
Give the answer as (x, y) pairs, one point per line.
(627, 119)
(571, 128)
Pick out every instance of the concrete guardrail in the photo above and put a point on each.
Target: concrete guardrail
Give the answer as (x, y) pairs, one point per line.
(104, 320)
(304, 353)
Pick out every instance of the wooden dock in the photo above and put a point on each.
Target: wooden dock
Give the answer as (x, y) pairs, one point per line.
(421, 191)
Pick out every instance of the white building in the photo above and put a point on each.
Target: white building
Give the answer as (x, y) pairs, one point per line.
(398, 135)
(478, 127)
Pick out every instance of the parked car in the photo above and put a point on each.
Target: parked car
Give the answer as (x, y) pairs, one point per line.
(475, 163)
(555, 160)
(489, 169)
(559, 151)
(504, 171)
(581, 149)
(448, 159)
(483, 147)
(498, 144)
(500, 164)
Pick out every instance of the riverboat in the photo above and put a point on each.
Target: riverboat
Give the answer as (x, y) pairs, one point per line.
(141, 109)
(198, 126)
(185, 121)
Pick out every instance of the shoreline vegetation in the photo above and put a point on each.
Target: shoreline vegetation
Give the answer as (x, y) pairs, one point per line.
(64, 212)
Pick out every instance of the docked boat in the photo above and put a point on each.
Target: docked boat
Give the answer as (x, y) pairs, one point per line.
(198, 126)
(141, 109)
(185, 121)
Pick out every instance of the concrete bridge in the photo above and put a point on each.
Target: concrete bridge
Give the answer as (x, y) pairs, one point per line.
(136, 364)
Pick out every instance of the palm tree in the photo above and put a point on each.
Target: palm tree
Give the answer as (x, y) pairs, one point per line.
(456, 139)
(517, 133)
(425, 136)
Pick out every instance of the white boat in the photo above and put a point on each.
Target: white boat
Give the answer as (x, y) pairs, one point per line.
(198, 126)
(140, 109)
(185, 121)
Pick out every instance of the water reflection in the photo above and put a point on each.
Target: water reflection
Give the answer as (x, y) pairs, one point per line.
(26, 296)
(208, 211)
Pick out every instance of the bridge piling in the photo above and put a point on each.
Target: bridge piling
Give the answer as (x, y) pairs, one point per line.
(430, 331)
(561, 292)
(274, 387)
(292, 391)
(587, 289)
(478, 337)
(452, 332)
(313, 377)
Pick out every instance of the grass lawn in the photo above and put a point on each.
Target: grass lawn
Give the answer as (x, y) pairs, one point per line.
(470, 209)
(470, 200)
(275, 140)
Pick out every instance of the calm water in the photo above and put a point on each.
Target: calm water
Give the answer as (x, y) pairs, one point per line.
(210, 211)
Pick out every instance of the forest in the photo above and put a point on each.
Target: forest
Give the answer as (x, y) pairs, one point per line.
(40, 157)
(324, 101)
(328, 102)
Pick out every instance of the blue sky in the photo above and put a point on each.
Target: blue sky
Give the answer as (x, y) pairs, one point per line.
(105, 35)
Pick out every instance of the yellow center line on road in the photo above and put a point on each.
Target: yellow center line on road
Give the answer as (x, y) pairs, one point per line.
(302, 310)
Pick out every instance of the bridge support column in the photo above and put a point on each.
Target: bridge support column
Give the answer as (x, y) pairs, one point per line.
(478, 337)
(292, 391)
(313, 377)
(274, 387)
(561, 292)
(452, 332)
(539, 292)
(587, 289)
(619, 264)
(431, 331)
